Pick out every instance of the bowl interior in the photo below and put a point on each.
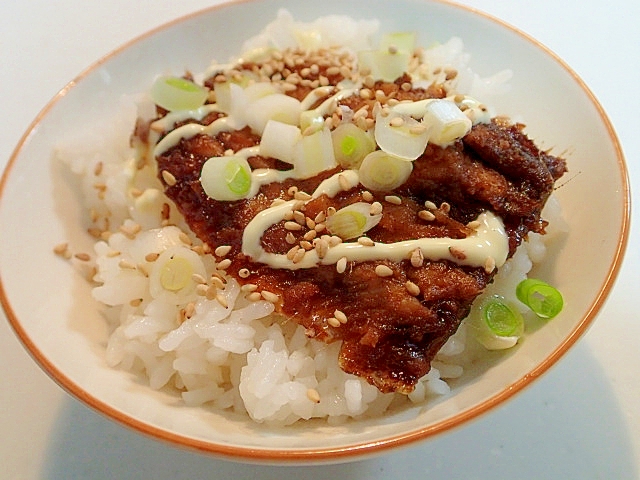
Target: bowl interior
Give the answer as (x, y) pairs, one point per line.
(50, 307)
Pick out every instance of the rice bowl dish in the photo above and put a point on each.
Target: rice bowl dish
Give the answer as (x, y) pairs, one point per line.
(219, 343)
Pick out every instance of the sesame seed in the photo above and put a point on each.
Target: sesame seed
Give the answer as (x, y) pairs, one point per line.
(221, 299)
(210, 292)
(293, 226)
(418, 129)
(366, 241)
(83, 257)
(126, 264)
(113, 254)
(299, 255)
(202, 289)
(292, 190)
(383, 271)
(224, 264)
(473, 224)
(61, 249)
(222, 250)
(331, 211)
(417, 258)
(151, 257)
(367, 196)
(130, 230)
(341, 265)
(217, 282)
(334, 240)
(340, 316)
(426, 215)
(199, 279)
(244, 273)
(168, 178)
(406, 86)
(394, 199)
(302, 196)
(313, 395)
(299, 217)
(270, 296)
(305, 244)
(375, 209)
(184, 238)
(430, 205)
(320, 227)
(310, 235)
(97, 169)
(397, 122)
(322, 247)
(292, 252)
(334, 322)
(445, 207)
(254, 296)
(290, 238)
(249, 287)
(489, 265)
(412, 288)
(135, 302)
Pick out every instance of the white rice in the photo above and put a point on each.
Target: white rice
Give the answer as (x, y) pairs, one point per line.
(241, 357)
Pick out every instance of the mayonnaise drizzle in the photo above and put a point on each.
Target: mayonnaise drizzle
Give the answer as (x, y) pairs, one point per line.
(489, 242)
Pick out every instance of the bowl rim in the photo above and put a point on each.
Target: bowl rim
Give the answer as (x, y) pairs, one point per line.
(351, 451)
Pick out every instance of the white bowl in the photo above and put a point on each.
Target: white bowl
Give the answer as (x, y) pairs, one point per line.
(50, 307)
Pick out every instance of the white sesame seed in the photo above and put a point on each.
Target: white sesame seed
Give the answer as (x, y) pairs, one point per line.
(489, 265)
(221, 299)
(375, 209)
(394, 199)
(340, 316)
(222, 250)
(83, 257)
(168, 178)
(224, 264)
(199, 279)
(313, 395)
(334, 322)
(290, 238)
(249, 287)
(366, 241)
(367, 196)
(417, 258)
(299, 255)
(430, 205)
(383, 271)
(341, 265)
(293, 226)
(426, 215)
(254, 296)
(244, 273)
(412, 288)
(270, 296)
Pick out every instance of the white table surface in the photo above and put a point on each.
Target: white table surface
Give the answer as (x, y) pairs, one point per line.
(579, 421)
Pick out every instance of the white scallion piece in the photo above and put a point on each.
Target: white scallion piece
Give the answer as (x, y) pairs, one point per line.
(314, 154)
(401, 135)
(279, 141)
(383, 172)
(226, 178)
(445, 121)
(277, 106)
(176, 93)
(352, 221)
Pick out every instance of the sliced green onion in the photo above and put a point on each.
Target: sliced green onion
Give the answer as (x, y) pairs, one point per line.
(226, 178)
(314, 154)
(279, 141)
(401, 135)
(352, 221)
(175, 93)
(446, 122)
(351, 144)
(543, 299)
(382, 172)
(173, 271)
(498, 324)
